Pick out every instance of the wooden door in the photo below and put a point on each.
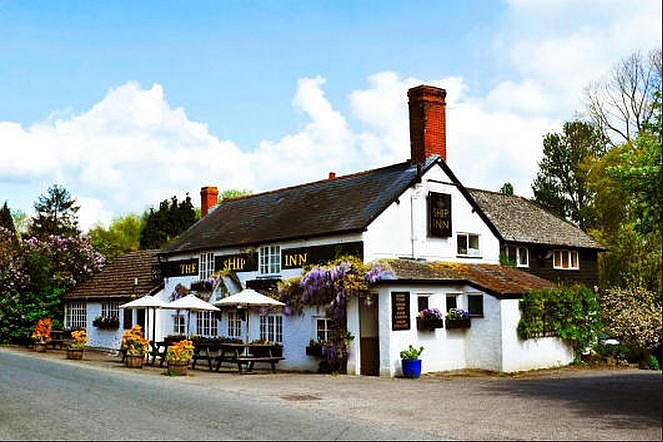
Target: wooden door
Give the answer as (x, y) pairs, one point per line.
(369, 341)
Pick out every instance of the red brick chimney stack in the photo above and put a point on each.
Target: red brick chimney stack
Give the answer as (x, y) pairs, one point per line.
(209, 196)
(332, 175)
(428, 126)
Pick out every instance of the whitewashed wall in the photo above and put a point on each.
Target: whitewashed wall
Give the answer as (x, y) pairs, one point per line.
(532, 353)
(483, 346)
(402, 229)
(98, 337)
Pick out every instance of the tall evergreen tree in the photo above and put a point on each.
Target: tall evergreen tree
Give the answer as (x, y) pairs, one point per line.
(507, 189)
(6, 219)
(166, 223)
(57, 214)
(561, 183)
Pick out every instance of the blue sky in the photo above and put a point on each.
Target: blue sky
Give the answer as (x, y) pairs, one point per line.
(126, 103)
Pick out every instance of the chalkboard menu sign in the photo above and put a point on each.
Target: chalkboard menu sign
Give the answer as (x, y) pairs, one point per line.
(400, 311)
(439, 215)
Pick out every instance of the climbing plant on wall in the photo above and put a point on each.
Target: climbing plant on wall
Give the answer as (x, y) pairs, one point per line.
(568, 312)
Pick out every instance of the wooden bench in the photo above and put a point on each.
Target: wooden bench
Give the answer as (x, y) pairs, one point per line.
(251, 360)
(231, 353)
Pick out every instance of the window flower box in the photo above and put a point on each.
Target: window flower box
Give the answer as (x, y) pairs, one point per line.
(314, 348)
(429, 319)
(107, 322)
(458, 323)
(457, 318)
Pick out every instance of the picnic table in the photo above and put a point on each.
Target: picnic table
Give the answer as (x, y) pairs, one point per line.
(58, 337)
(159, 349)
(247, 354)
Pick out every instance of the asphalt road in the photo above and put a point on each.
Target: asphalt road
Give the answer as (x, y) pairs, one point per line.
(43, 399)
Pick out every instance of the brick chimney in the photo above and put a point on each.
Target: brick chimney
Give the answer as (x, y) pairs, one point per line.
(428, 125)
(209, 196)
(332, 175)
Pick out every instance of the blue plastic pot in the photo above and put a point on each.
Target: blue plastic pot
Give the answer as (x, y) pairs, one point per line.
(411, 368)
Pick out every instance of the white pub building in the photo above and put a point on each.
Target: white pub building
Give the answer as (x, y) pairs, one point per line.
(444, 241)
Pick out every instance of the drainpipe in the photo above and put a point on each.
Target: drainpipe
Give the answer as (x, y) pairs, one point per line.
(412, 221)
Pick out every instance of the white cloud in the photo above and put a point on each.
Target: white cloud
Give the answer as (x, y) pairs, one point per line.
(92, 212)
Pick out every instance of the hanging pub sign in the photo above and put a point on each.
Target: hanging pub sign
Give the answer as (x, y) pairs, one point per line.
(183, 267)
(439, 215)
(400, 311)
(242, 262)
(299, 257)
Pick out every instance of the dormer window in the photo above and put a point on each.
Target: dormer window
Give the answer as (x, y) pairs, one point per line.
(270, 260)
(468, 244)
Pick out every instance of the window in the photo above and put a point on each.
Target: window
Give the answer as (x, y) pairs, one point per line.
(179, 327)
(468, 244)
(475, 305)
(128, 318)
(566, 260)
(516, 255)
(323, 329)
(234, 325)
(206, 324)
(110, 310)
(76, 315)
(271, 328)
(206, 267)
(270, 260)
(422, 302)
(452, 302)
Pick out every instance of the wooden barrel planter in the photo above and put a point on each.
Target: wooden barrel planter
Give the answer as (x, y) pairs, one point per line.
(178, 369)
(458, 323)
(40, 348)
(75, 353)
(134, 361)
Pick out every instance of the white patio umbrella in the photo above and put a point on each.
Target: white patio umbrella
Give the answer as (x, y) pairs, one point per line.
(146, 302)
(248, 298)
(191, 303)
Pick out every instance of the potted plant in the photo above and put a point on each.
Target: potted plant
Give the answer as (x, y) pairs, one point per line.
(107, 322)
(429, 319)
(178, 357)
(457, 318)
(136, 347)
(410, 361)
(42, 334)
(263, 352)
(76, 346)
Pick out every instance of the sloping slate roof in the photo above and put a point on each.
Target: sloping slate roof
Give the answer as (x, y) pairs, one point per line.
(501, 281)
(521, 220)
(344, 204)
(116, 280)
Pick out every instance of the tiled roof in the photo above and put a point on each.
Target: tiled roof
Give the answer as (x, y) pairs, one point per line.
(117, 279)
(341, 205)
(521, 220)
(501, 281)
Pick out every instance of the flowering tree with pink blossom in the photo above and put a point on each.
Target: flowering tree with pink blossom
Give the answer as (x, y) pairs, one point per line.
(34, 273)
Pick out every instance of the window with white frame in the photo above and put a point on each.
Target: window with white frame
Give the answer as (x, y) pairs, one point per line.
(206, 267)
(323, 329)
(179, 327)
(270, 260)
(76, 315)
(451, 301)
(468, 244)
(271, 328)
(234, 325)
(110, 310)
(517, 255)
(475, 304)
(206, 324)
(566, 260)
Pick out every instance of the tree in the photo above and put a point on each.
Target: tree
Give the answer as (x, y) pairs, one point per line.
(621, 103)
(20, 221)
(165, 224)
(507, 189)
(123, 235)
(233, 193)
(561, 183)
(6, 219)
(56, 214)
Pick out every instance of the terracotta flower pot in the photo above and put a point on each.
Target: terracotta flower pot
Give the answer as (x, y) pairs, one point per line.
(134, 361)
(40, 348)
(178, 368)
(75, 353)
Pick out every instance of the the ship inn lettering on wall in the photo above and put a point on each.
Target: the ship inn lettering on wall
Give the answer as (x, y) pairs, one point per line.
(242, 262)
(183, 267)
(299, 257)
